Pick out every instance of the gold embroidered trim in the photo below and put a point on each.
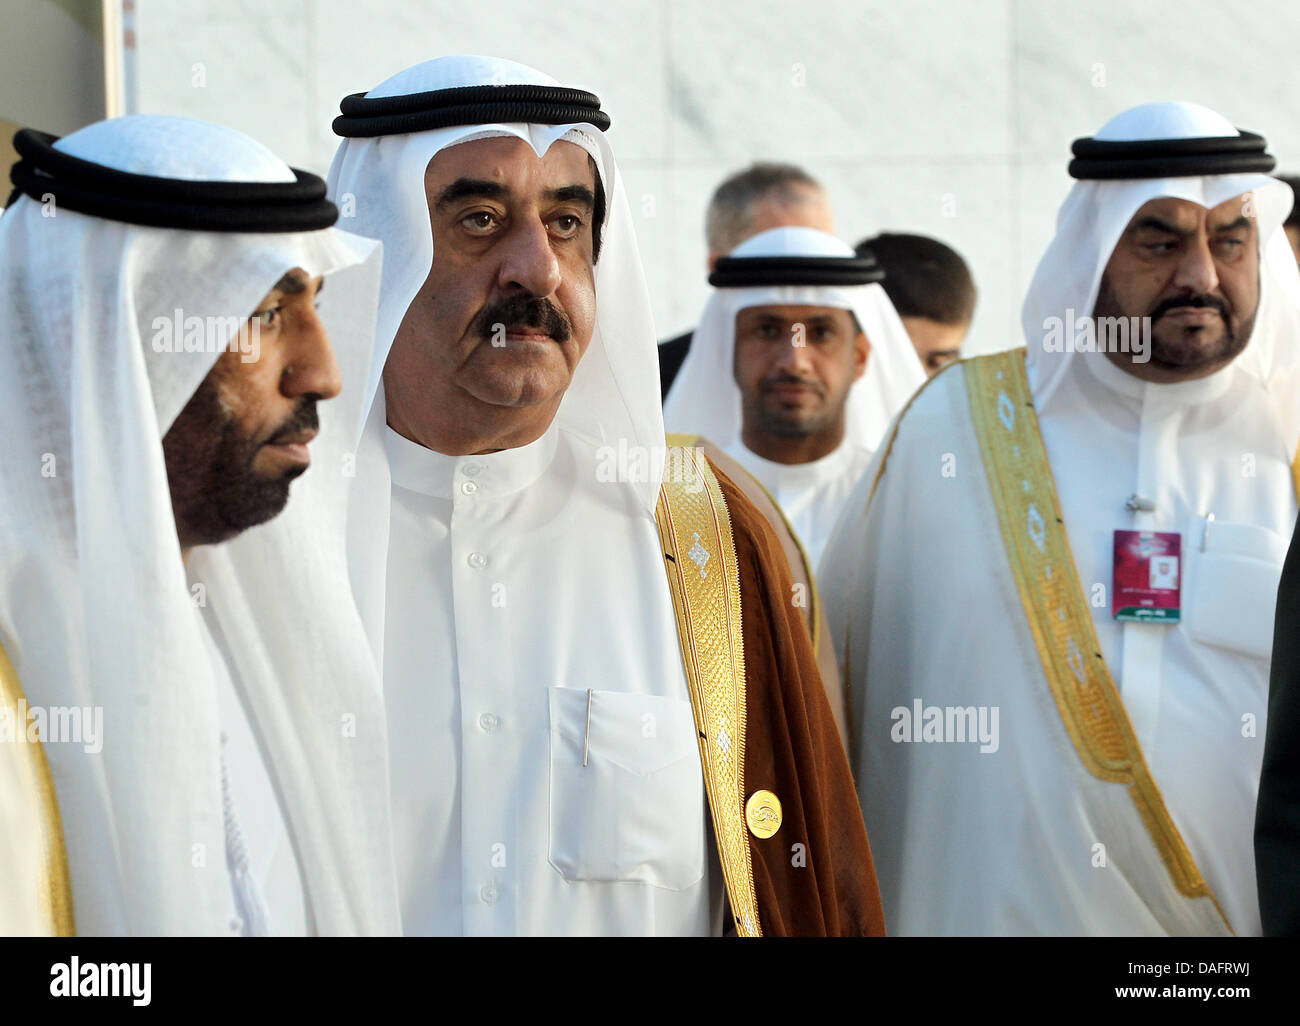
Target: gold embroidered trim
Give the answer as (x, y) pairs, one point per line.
(1033, 530)
(1295, 472)
(814, 600)
(58, 884)
(700, 551)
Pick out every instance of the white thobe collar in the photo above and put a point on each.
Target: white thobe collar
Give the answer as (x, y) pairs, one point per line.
(1177, 393)
(492, 475)
(793, 477)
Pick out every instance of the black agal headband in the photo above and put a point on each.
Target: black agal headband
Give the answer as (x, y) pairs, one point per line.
(364, 118)
(1170, 158)
(750, 272)
(204, 206)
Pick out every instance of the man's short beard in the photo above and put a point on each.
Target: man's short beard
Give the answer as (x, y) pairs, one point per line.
(778, 423)
(1187, 352)
(216, 494)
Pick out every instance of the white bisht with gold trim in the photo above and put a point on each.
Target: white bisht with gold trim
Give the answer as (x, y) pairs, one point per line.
(1012, 781)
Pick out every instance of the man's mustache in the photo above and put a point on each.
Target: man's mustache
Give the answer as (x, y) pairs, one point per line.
(1199, 301)
(533, 312)
(787, 379)
(302, 419)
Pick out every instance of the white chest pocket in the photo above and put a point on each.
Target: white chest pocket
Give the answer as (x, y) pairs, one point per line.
(635, 811)
(1232, 591)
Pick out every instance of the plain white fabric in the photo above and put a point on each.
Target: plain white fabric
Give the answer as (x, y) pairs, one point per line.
(95, 608)
(258, 845)
(475, 853)
(705, 399)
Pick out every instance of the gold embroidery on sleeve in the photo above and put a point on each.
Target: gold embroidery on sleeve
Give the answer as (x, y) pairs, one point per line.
(700, 557)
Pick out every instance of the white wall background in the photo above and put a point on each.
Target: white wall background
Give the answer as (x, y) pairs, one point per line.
(947, 118)
(51, 70)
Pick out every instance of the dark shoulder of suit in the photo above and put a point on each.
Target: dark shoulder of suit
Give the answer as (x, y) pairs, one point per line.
(671, 354)
(1277, 816)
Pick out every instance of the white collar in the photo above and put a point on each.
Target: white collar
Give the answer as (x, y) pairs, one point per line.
(807, 474)
(495, 474)
(1178, 393)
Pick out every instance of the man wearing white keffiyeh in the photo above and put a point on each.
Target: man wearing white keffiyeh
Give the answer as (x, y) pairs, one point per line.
(1053, 593)
(556, 763)
(799, 364)
(146, 416)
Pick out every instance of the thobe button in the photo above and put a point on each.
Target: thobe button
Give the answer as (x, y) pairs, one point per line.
(236, 925)
(477, 560)
(468, 487)
(472, 469)
(763, 814)
(489, 895)
(489, 722)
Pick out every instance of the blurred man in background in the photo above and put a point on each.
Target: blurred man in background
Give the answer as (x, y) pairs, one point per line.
(1292, 223)
(932, 290)
(763, 196)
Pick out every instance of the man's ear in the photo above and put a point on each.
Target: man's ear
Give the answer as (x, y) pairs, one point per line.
(861, 350)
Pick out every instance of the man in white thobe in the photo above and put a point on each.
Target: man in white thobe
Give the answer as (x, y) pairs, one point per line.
(797, 367)
(546, 764)
(158, 282)
(1052, 594)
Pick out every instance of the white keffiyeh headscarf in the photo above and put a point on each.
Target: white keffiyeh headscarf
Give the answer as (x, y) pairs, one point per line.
(705, 398)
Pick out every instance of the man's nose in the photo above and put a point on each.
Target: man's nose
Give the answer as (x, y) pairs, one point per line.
(529, 263)
(794, 358)
(1196, 271)
(309, 366)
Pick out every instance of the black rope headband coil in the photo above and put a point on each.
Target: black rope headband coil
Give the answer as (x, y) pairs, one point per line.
(366, 118)
(749, 272)
(203, 206)
(1100, 159)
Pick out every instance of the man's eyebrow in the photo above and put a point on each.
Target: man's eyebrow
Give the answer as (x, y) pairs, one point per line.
(465, 188)
(572, 193)
(292, 283)
(1151, 221)
(1241, 222)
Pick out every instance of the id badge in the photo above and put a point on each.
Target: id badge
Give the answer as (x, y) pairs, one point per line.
(1147, 581)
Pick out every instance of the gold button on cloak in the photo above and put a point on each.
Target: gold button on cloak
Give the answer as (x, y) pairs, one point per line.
(763, 814)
